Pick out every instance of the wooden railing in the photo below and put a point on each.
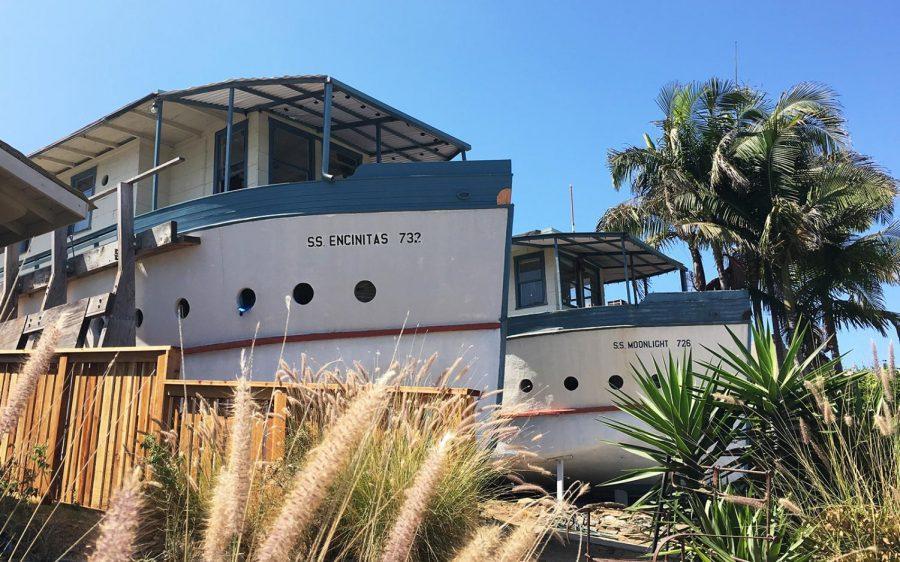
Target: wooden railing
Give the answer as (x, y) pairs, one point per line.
(83, 428)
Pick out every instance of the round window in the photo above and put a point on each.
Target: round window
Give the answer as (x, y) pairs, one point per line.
(303, 293)
(616, 382)
(245, 301)
(182, 308)
(104, 180)
(526, 386)
(138, 317)
(656, 381)
(364, 291)
(571, 383)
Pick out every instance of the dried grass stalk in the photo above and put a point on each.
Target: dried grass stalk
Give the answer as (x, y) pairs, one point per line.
(483, 542)
(36, 366)
(323, 463)
(418, 496)
(229, 499)
(118, 533)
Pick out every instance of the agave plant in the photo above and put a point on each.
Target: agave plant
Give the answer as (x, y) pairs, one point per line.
(727, 531)
(778, 400)
(683, 429)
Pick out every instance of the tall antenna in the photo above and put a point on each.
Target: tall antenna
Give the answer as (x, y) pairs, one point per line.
(572, 205)
(735, 63)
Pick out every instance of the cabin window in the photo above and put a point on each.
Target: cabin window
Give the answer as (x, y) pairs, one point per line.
(590, 285)
(568, 281)
(530, 282)
(291, 154)
(342, 162)
(238, 158)
(85, 183)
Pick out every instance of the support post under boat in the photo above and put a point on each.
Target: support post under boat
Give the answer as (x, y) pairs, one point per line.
(560, 479)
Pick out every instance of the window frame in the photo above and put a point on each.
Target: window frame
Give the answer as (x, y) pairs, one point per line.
(87, 220)
(279, 124)
(239, 127)
(543, 270)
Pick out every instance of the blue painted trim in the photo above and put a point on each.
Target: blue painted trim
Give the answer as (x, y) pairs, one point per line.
(275, 124)
(374, 188)
(85, 223)
(504, 310)
(519, 258)
(658, 309)
(218, 169)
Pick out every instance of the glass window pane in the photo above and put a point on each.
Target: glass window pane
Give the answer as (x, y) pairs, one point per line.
(291, 157)
(85, 183)
(342, 162)
(530, 286)
(568, 277)
(238, 158)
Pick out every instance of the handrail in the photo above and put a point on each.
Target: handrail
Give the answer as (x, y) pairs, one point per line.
(143, 175)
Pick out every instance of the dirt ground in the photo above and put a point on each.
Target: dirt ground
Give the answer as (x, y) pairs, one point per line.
(70, 525)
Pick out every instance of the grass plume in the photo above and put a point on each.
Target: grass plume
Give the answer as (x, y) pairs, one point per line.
(37, 365)
(117, 541)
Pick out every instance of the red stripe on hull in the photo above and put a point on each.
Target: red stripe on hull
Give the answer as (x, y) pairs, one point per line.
(324, 336)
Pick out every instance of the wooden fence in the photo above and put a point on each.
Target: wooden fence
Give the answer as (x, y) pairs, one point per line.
(83, 427)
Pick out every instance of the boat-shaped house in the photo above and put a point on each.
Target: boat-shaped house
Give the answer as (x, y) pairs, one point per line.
(288, 215)
(570, 345)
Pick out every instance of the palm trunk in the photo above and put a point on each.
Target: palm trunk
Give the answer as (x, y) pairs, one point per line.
(830, 329)
(699, 274)
(719, 258)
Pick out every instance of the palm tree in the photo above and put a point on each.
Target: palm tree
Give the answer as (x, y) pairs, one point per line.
(774, 186)
(678, 162)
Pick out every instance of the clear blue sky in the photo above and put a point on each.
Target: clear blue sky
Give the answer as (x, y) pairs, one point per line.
(550, 86)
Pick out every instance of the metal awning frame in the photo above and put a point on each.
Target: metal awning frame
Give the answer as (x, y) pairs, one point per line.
(391, 116)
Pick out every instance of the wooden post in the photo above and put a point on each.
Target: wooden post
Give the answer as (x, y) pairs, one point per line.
(279, 425)
(56, 287)
(9, 298)
(59, 417)
(120, 332)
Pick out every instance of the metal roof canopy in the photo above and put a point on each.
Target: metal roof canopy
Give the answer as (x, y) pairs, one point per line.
(33, 201)
(620, 256)
(357, 120)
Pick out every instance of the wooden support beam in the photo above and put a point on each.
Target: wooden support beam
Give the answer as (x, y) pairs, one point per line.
(59, 161)
(131, 132)
(56, 285)
(9, 299)
(80, 151)
(104, 142)
(159, 239)
(168, 122)
(120, 328)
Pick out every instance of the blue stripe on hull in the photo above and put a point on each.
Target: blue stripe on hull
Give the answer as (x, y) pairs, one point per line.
(658, 309)
(373, 188)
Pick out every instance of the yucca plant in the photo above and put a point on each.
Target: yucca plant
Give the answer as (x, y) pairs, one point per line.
(682, 429)
(728, 531)
(778, 400)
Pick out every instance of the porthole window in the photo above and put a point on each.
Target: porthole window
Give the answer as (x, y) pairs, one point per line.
(245, 301)
(616, 382)
(364, 291)
(571, 383)
(182, 308)
(303, 293)
(104, 180)
(526, 386)
(656, 381)
(138, 317)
